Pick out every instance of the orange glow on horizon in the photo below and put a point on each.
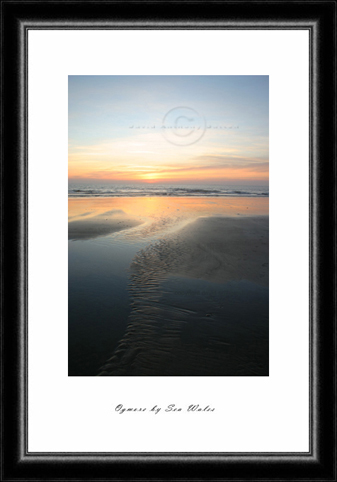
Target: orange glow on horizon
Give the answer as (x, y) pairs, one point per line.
(151, 177)
(196, 175)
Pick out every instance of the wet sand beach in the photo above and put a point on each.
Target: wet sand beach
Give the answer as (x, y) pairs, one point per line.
(168, 287)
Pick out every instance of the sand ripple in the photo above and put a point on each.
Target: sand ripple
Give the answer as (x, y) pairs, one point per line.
(199, 305)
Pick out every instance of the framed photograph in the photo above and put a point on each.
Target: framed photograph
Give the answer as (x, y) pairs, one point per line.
(168, 226)
(168, 239)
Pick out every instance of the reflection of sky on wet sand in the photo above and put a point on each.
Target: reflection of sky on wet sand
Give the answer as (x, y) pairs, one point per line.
(139, 306)
(161, 214)
(148, 207)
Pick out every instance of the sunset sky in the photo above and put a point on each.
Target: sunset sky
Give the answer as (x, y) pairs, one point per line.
(116, 131)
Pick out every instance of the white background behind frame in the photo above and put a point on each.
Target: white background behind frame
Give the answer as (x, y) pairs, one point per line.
(252, 414)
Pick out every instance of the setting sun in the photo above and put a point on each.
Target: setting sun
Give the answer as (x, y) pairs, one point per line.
(132, 129)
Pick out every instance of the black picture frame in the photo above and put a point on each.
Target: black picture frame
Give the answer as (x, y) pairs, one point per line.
(319, 18)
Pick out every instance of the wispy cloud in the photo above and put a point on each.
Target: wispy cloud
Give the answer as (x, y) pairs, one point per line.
(103, 146)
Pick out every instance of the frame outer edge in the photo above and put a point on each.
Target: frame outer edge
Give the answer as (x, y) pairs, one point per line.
(22, 209)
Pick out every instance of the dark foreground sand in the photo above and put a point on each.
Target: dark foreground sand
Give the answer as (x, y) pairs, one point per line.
(182, 324)
(222, 249)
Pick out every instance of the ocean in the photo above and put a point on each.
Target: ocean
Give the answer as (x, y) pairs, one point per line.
(150, 190)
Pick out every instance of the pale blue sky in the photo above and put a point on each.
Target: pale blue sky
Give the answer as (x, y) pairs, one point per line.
(102, 109)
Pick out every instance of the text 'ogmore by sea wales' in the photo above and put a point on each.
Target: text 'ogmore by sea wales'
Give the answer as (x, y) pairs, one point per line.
(121, 409)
